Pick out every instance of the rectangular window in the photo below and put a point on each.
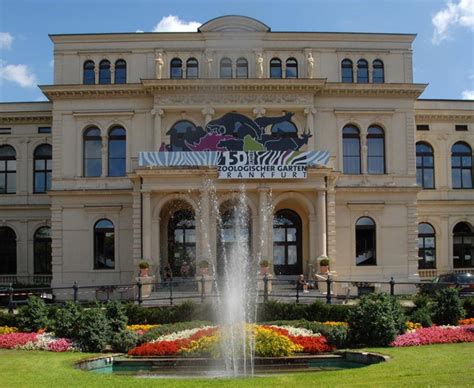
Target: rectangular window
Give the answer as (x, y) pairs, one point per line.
(423, 127)
(461, 127)
(44, 129)
(5, 131)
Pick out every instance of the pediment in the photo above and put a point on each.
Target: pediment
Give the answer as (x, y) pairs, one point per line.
(234, 23)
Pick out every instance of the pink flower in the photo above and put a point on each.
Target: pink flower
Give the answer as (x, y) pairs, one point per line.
(60, 345)
(436, 335)
(13, 340)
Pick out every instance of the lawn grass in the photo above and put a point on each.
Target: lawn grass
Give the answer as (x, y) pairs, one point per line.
(435, 365)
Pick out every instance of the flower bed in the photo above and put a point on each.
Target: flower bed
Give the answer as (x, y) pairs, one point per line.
(141, 329)
(8, 330)
(436, 335)
(270, 341)
(35, 341)
(467, 321)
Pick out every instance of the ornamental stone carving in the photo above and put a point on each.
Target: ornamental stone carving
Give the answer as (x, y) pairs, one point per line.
(159, 63)
(310, 65)
(236, 98)
(259, 65)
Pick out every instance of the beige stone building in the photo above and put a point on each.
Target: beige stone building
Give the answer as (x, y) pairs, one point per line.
(394, 199)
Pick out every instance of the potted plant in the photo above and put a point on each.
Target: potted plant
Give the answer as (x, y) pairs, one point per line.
(324, 264)
(203, 266)
(144, 268)
(264, 266)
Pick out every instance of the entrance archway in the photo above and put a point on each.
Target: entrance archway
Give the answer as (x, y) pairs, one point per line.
(287, 243)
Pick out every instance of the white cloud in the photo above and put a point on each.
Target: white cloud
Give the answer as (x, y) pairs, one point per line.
(468, 95)
(20, 74)
(172, 23)
(5, 40)
(460, 14)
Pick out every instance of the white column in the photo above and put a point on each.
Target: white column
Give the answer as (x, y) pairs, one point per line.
(157, 113)
(112, 73)
(105, 148)
(155, 247)
(321, 220)
(208, 113)
(265, 232)
(205, 230)
(331, 219)
(147, 225)
(363, 152)
(310, 112)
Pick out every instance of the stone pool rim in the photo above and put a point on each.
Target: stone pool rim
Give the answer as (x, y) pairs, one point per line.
(361, 357)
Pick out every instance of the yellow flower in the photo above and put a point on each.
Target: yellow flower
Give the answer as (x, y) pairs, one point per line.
(413, 325)
(141, 327)
(333, 323)
(8, 330)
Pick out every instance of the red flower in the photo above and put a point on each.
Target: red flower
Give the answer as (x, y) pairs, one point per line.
(312, 345)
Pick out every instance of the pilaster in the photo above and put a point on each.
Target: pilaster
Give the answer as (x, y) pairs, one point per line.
(157, 113)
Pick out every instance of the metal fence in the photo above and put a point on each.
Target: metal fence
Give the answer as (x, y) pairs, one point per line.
(173, 291)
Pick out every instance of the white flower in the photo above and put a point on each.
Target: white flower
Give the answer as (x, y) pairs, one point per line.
(298, 331)
(183, 334)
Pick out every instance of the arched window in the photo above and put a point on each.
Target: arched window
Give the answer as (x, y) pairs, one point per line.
(375, 150)
(225, 68)
(176, 68)
(291, 68)
(425, 165)
(461, 166)
(104, 72)
(351, 150)
(366, 253)
(463, 246)
(426, 246)
(284, 129)
(275, 68)
(42, 251)
(362, 71)
(92, 152)
(117, 151)
(192, 68)
(88, 76)
(346, 71)
(104, 245)
(287, 243)
(378, 76)
(182, 242)
(242, 70)
(120, 72)
(42, 168)
(7, 170)
(8, 250)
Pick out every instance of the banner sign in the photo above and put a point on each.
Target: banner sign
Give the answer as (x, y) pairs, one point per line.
(241, 164)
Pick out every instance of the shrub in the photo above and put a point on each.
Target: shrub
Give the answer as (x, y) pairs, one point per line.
(316, 311)
(93, 330)
(124, 340)
(8, 319)
(447, 308)
(468, 304)
(115, 313)
(422, 316)
(66, 319)
(422, 300)
(376, 320)
(33, 316)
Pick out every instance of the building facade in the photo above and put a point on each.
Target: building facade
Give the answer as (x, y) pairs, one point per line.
(77, 204)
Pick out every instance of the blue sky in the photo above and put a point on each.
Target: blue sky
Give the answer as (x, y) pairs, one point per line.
(443, 49)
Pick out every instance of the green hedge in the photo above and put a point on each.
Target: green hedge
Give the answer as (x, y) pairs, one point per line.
(187, 311)
(317, 311)
(468, 304)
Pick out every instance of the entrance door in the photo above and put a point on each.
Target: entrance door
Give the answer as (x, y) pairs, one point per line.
(287, 236)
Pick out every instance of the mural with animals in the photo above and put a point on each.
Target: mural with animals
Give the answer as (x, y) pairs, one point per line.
(237, 132)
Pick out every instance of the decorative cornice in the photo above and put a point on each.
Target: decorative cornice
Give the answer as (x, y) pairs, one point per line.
(444, 116)
(56, 92)
(209, 87)
(373, 90)
(26, 118)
